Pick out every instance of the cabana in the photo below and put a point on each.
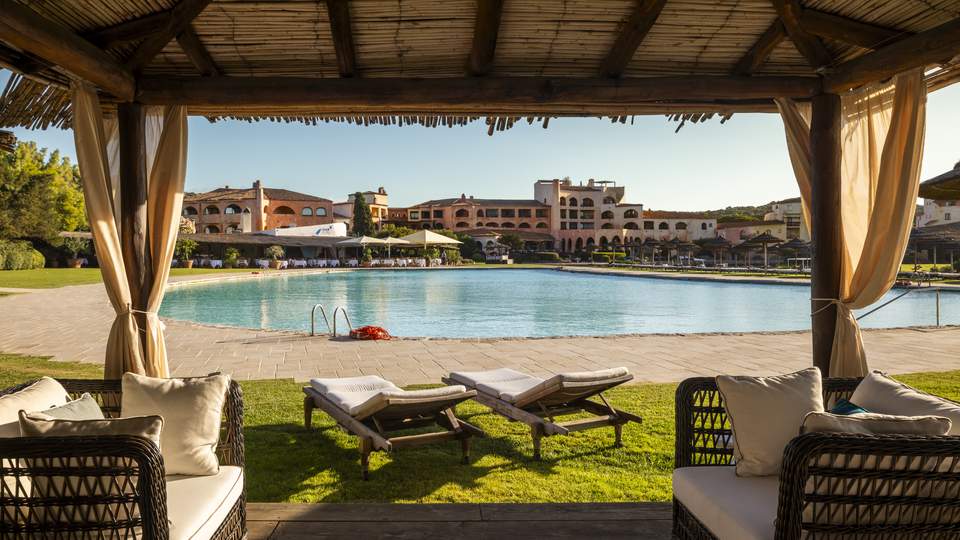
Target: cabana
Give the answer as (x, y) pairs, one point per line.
(125, 74)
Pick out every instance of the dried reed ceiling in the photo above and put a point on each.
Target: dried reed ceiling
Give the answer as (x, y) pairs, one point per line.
(428, 39)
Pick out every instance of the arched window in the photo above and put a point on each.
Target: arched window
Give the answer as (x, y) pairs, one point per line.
(663, 226)
(579, 244)
(284, 210)
(631, 214)
(321, 212)
(590, 242)
(210, 210)
(603, 240)
(609, 200)
(425, 226)
(616, 241)
(606, 214)
(572, 201)
(703, 226)
(232, 229)
(541, 225)
(563, 201)
(462, 225)
(587, 202)
(462, 213)
(632, 225)
(231, 209)
(307, 211)
(606, 226)
(479, 224)
(492, 225)
(681, 226)
(523, 226)
(211, 229)
(246, 211)
(507, 225)
(480, 212)
(189, 211)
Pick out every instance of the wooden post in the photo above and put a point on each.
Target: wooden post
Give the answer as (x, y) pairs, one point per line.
(825, 217)
(133, 205)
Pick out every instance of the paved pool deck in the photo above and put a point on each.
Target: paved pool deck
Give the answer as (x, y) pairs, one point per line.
(71, 323)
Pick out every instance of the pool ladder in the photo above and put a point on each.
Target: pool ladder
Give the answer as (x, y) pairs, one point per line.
(331, 330)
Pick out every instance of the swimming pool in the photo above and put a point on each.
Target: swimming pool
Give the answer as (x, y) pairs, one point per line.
(521, 302)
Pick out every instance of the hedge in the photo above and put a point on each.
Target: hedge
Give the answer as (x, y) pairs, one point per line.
(18, 255)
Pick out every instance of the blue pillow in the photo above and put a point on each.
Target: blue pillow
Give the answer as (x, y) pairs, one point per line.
(845, 407)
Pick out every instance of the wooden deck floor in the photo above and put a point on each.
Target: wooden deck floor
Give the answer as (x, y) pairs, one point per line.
(467, 521)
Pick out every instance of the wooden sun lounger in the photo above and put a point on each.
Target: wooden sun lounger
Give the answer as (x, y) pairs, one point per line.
(376, 431)
(540, 408)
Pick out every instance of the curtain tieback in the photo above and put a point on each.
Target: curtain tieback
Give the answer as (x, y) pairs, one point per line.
(830, 302)
(147, 313)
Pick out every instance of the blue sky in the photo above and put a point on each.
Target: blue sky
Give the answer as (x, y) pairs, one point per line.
(704, 166)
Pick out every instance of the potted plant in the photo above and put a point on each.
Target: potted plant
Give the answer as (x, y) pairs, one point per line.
(75, 246)
(430, 254)
(274, 253)
(366, 259)
(230, 257)
(185, 249)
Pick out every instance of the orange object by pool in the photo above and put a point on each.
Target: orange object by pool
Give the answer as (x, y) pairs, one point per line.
(369, 332)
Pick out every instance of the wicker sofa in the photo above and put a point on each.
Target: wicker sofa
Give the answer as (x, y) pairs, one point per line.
(831, 485)
(124, 492)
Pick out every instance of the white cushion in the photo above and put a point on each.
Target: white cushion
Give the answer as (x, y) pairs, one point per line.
(197, 505)
(731, 506)
(83, 408)
(361, 397)
(513, 386)
(39, 396)
(875, 424)
(560, 380)
(881, 394)
(192, 411)
(766, 413)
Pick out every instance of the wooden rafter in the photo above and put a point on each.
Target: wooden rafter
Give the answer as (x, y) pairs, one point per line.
(854, 32)
(127, 31)
(190, 43)
(485, 31)
(27, 64)
(342, 32)
(467, 94)
(935, 46)
(631, 36)
(808, 44)
(24, 29)
(180, 17)
(760, 51)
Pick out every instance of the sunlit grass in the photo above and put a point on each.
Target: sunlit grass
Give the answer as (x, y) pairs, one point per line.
(50, 278)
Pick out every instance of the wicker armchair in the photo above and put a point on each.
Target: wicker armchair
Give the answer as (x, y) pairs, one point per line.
(124, 493)
(831, 485)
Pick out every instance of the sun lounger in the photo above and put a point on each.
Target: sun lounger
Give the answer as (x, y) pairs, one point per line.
(538, 402)
(371, 408)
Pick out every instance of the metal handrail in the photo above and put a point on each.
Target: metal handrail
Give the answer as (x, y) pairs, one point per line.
(340, 309)
(892, 300)
(313, 317)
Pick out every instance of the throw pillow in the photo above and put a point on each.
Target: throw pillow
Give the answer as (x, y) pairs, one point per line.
(84, 408)
(192, 410)
(875, 424)
(845, 407)
(766, 413)
(41, 395)
(881, 394)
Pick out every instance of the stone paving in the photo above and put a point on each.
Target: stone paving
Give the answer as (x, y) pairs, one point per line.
(71, 323)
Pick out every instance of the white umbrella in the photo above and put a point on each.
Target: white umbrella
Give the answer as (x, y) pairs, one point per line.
(360, 242)
(429, 238)
(391, 241)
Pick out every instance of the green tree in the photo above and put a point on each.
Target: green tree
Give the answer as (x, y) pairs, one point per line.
(40, 194)
(362, 219)
(511, 240)
(396, 231)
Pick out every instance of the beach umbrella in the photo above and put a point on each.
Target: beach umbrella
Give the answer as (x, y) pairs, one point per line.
(764, 239)
(715, 245)
(429, 238)
(360, 242)
(391, 241)
(653, 244)
(945, 187)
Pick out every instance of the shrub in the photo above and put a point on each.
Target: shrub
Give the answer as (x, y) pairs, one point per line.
(15, 255)
(539, 256)
(608, 256)
(186, 247)
(478, 257)
(274, 252)
(230, 257)
(367, 256)
(453, 256)
(76, 246)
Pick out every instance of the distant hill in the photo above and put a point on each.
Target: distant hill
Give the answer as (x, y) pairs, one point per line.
(740, 213)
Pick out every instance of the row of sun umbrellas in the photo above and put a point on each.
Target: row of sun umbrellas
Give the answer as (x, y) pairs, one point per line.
(423, 239)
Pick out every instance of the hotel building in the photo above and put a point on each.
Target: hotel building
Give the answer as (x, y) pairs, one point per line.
(790, 211)
(379, 204)
(232, 210)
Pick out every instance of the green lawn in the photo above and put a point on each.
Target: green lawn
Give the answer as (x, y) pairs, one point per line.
(287, 463)
(51, 278)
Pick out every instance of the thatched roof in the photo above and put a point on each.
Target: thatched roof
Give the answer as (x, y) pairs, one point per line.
(453, 62)
(8, 141)
(944, 187)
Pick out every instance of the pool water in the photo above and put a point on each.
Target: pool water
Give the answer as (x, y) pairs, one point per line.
(521, 302)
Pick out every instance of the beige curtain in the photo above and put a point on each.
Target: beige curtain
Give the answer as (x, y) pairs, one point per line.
(796, 125)
(101, 197)
(882, 130)
(166, 160)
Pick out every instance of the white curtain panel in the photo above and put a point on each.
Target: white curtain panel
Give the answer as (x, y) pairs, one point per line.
(882, 131)
(98, 154)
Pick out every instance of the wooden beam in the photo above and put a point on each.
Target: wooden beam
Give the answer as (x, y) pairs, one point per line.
(934, 46)
(631, 36)
(809, 45)
(180, 17)
(461, 94)
(126, 31)
(760, 51)
(826, 225)
(190, 43)
(342, 32)
(854, 32)
(485, 31)
(24, 29)
(24, 63)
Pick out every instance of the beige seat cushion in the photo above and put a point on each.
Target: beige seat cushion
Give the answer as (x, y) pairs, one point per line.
(875, 424)
(197, 505)
(561, 380)
(496, 382)
(766, 413)
(44, 394)
(192, 410)
(732, 507)
(881, 394)
(361, 397)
